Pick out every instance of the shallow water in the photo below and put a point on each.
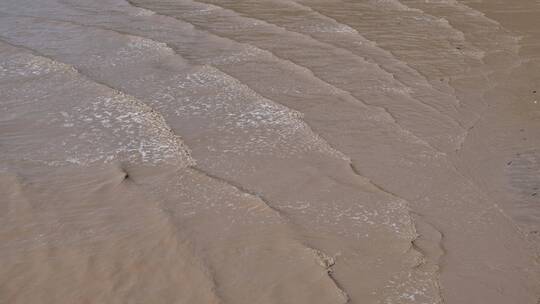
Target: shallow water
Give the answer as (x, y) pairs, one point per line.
(269, 151)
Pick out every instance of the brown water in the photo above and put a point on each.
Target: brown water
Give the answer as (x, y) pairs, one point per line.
(270, 151)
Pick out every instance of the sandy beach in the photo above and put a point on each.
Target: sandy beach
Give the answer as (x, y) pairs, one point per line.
(270, 151)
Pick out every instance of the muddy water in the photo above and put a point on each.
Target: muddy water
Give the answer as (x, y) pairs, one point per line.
(269, 151)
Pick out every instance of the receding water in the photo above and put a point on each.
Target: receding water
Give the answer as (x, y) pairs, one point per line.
(270, 151)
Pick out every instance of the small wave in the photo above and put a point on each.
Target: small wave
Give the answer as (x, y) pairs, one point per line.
(101, 126)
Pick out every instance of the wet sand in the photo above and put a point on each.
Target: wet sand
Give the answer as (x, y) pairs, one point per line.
(269, 151)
